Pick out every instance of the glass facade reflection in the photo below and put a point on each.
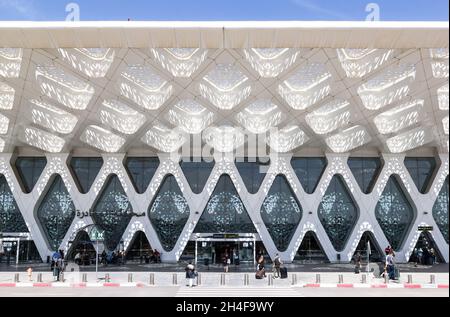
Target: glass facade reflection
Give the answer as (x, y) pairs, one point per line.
(309, 170)
(281, 213)
(394, 213)
(85, 170)
(112, 212)
(338, 213)
(225, 212)
(169, 213)
(29, 170)
(11, 219)
(365, 170)
(141, 171)
(440, 210)
(197, 173)
(252, 173)
(56, 213)
(421, 170)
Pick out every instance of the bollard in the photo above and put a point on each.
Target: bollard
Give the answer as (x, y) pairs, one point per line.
(364, 279)
(84, 278)
(410, 279)
(222, 280)
(386, 278)
(107, 278)
(246, 280)
(341, 279)
(317, 278)
(199, 279)
(294, 279)
(16, 278)
(270, 280)
(130, 278)
(152, 279)
(175, 279)
(432, 279)
(39, 278)
(61, 277)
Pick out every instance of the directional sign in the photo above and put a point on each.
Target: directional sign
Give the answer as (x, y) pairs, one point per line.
(425, 228)
(97, 235)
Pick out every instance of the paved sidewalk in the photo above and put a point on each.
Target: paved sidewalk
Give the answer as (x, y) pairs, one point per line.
(214, 280)
(244, 268)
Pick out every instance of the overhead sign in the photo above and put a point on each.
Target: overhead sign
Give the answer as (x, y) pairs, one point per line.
(97, 235)
(425, 228)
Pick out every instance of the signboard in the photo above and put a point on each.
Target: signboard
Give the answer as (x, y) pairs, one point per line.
(97, 235)
(226, 236)
(425, 228)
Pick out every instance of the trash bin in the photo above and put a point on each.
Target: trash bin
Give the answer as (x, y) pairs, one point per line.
(206, 262)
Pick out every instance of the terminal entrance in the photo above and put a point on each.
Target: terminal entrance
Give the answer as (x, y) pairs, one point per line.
(18, 249)
(217, 249)
(426, 251)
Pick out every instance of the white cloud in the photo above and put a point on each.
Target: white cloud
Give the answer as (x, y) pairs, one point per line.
(306, 4)
(24, 8)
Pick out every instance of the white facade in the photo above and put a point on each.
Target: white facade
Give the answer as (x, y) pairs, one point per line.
(117, 93)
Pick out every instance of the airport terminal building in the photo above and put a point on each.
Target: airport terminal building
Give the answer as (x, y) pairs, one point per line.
(313, 140)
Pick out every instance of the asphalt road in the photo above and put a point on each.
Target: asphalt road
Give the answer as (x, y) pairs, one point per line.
(222, 292)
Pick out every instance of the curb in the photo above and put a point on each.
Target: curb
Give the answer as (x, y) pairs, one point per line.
(141, 285)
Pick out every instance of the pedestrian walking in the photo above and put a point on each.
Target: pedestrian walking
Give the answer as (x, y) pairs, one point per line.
(277, 266)
(191, 274)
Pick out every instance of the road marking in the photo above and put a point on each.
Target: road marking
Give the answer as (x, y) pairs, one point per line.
(236, 292)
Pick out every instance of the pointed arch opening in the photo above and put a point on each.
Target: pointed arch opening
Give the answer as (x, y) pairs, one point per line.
(426, 251)
(310, 250)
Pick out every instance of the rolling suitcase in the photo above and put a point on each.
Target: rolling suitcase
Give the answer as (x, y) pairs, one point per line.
(396, 273)
(283, 273)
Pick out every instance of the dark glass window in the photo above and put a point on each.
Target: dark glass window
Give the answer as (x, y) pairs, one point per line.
(281, 213)
(421, 170)
(11, 219)
(338, 213)
(225, 212)
(85, 170)
(113, 212)
(440, 210)
(197, 173)
(309, 170)
(394, 213)
(141, 171)
(169, 213)
(365, 170)
(29, 170)
(56, 213)
(252, 173)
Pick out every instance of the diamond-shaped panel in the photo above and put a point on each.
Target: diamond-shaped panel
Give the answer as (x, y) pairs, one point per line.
(394, 213)
(56, 213)
(169, 213)
(112, 212)
(338, 213)
(11, 220)
(281, 213)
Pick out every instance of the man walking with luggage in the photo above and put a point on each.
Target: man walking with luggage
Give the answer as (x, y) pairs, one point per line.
(277, 265)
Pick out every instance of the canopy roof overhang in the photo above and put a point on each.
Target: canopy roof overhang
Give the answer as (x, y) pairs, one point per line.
(231, 35)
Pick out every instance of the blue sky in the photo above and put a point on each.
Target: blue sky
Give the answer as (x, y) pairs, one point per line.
(205, 10)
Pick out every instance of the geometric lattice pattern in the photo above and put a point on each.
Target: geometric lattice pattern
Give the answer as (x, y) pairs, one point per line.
(366, 203)
(144, 92)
